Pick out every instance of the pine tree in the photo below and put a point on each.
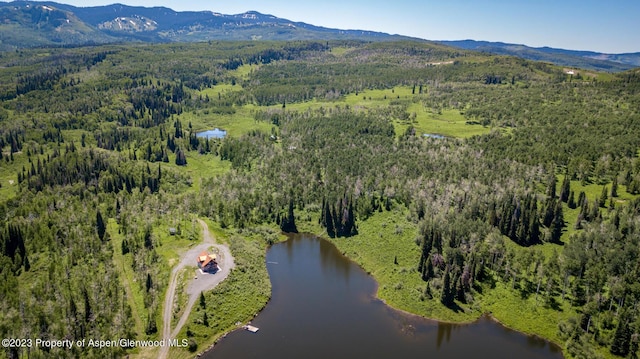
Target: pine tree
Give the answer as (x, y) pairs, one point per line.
(557, 224)
(447, 295)
(551, 185)
(614, 187)
(549, 212)
(288, 223)
(603, 197)
(534, 228)
(427, 291)
(27, 265)
(428, 271)
(152, 326)
(100, 225)
(621, 338)
(594, 213)
(181, 159)
(149, 282)
(571, 202)
(148, 239)
(565, 189)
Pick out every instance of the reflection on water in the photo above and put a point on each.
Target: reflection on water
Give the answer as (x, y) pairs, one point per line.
(215, 133)
(323, 305)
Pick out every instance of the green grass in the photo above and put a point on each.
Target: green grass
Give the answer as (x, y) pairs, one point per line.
(244, 71)
(181, 298)
(220, 89)
(383, 238)
(388, 235)
(237, 299)
(528, 315)
(9, 173)
(170, 246)
(592, 191)
(340, 51)
(200, 167)
(447, 122)
(123, 264)
(236, 125)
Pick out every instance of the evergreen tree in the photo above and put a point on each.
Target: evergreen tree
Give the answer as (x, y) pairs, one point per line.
(534, 228)
(203, 303)
(447, 294)
(556, 225)
(100, 225)
(549, 211)
(205, 319)
(459, 289)
(565, 189)
(181, 159)
(27, 265)
(288, 223)
(614, 187)
(427, 291)
(603, 197)
(594, 213)
(152, 326)
(328, 221)
(621, 338)
(148, 239)
(149, 282)
(571, 202)
(428, 271)
(551, 184)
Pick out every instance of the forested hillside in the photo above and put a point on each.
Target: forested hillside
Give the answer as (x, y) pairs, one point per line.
(464, 183)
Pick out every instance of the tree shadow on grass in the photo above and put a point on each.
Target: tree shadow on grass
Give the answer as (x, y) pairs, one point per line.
(553, 304)
(454, 307)
(527, 289)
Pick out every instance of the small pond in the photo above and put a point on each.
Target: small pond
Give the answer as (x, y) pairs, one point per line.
(433, 135)
(215, 133)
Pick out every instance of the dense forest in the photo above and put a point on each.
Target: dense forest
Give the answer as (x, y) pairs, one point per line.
(508, 175)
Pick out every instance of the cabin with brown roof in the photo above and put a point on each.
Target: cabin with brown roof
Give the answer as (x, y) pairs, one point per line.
(207, 262)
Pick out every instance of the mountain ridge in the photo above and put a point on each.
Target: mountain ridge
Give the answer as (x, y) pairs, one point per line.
(25, 23)
(19, 27)
(575, 58)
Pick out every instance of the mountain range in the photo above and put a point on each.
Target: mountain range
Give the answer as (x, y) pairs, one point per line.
(33, 24)
(29, 24)
(582, 59)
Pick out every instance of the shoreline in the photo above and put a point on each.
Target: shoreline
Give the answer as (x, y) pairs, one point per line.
(375, 296)
(487, 314)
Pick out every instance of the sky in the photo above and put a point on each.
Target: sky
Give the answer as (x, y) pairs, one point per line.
(595, 25)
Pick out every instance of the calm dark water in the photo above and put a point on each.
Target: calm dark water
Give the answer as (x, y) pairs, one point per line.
(323, 306)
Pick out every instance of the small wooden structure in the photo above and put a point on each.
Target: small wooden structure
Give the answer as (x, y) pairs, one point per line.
(251, 328)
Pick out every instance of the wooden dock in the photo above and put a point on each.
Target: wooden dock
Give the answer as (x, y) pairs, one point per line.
(251, 328)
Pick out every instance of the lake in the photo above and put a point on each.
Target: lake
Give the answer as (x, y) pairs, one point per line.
(323, 306)
(215, 133)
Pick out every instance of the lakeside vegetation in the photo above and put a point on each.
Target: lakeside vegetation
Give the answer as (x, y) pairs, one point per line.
(529, 202)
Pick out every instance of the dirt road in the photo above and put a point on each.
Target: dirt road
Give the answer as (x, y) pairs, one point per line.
(204, 281)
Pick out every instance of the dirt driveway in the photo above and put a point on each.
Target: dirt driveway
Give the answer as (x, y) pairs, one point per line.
(204, 282)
